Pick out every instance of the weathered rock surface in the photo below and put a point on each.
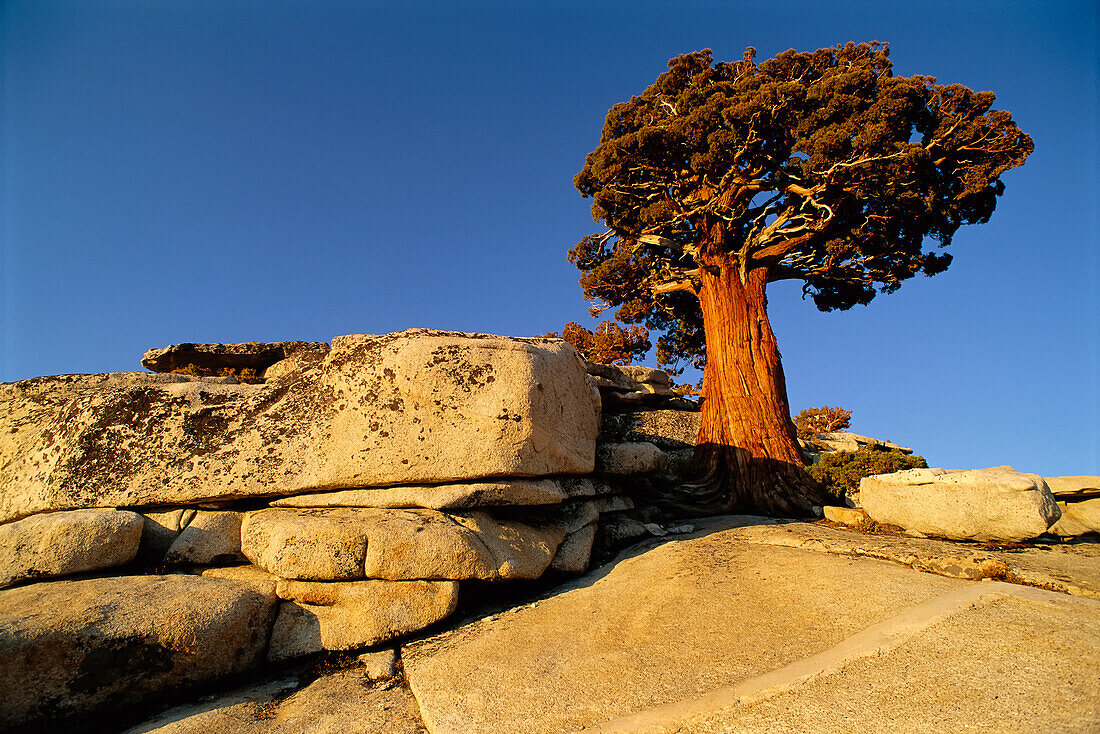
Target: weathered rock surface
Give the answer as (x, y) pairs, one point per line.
(160, 530)
(846, 441)
(326, 615)
(62, 543)
(575, 552)
(418, 407)
(68, 646)
(244, 574)
(1068, 568)
(997, 504)
(1074, 489)
(845, 515)
(211, 538)
(1078, 518)
(666, 429)
(1012, 662)
(667, 623)
(379, 665)
(634, 387)
(713, 629)
(628, 459)
(211, 358)
(319, 544)
(505, 492)
(354, 543)
(344, 702)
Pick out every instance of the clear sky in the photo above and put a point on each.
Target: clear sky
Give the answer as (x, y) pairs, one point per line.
(224, 170)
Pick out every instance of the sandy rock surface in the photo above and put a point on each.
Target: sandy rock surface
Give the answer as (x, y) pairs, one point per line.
(751, 626)
(345, 702)
(1074, 489)
(1078, 518)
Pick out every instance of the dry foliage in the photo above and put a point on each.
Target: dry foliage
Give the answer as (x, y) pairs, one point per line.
(610, 343)
(244, 374)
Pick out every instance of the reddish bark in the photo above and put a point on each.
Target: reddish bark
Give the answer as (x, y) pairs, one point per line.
(747, 456)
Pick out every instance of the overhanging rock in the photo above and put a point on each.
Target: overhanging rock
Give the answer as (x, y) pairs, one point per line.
(416, 407)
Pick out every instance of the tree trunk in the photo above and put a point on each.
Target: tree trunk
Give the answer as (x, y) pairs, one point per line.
(747, 457)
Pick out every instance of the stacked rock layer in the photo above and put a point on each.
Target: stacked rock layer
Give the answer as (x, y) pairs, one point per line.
(337, 503)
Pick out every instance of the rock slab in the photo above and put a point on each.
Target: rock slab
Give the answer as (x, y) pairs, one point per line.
(702, 628)
(462, 495)
(211, 358)
(318, 615)
(63, 543)
(82, 646)
(996, 504)
(346, 543)
(417, 407)
(1078, 518)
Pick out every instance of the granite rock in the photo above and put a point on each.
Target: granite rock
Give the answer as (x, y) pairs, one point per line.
(417, 407)
(63, 543)
(996, 504)
(78, 646)
(320, 615)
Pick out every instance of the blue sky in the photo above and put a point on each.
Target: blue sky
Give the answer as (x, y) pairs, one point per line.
(219, 171)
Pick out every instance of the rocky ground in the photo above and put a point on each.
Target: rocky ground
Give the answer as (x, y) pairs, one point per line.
(744, 625)
(418, 531)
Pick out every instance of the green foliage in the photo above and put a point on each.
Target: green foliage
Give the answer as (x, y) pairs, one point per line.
(840, 471)
(820, 166)
(813, 421)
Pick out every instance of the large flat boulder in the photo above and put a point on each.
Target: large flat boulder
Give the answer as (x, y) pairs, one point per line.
(352, 543)
(417, 407)
(320, 615)
(63, 543)
(670, 621)
(213, 358)
(997, 504)
(848, 441)
(70, 647)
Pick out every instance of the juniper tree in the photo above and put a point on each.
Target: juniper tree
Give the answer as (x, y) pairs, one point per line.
(722, 178)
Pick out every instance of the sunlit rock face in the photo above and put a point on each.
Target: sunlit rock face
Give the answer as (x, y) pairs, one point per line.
(995, 504)
(415, 407)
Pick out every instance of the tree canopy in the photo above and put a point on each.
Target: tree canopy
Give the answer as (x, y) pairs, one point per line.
(818, 166)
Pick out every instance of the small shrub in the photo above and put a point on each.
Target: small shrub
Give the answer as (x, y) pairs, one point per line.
(840, 471)
(244, 374)
(813, 421)
(610, 343)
